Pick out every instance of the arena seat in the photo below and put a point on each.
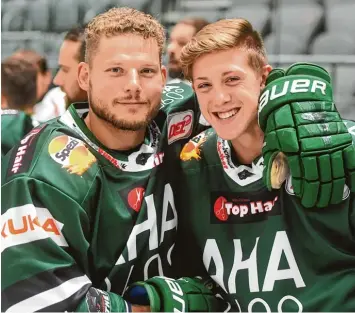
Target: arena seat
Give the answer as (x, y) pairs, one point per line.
(205, 5)
(304, 20)
(172, 17)
(344, 83)
(257, 15)
(340, 17)
(14, 15)
(39, 15)
(333, 43)
(66, 15)
(10, 46)
(284, 44)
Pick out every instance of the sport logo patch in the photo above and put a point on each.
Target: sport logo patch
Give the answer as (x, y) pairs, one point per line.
(236, 208)
(28, 223)
(135, 198)
(191, 150)
(22, 154)
(180, 125)
(71, 153)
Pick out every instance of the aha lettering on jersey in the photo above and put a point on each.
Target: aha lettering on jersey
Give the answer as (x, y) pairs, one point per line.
(212, 257)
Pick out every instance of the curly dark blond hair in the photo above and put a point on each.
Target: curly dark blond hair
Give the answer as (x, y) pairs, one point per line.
(122, 21)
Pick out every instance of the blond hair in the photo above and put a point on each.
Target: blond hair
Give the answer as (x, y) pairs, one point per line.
(223, 35)
(118, 21)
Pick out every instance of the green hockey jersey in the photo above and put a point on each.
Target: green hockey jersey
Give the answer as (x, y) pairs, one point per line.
(81, 222)
(265, 250)
(14, 126)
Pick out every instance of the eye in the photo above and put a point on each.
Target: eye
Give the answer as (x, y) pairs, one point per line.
(232, 79)
(116, 70)
(203, 85)
(63, 69)
(148, 71)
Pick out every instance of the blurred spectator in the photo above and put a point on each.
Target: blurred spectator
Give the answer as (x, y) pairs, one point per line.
(180, 35)
(50, 103)
(18, 97)
(44, 75)
(71, 53)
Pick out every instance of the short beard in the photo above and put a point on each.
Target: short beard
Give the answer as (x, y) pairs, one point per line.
(175, 73)
(102, 111)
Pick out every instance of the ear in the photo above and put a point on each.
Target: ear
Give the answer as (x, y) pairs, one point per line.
(164, 74)
(264, 74)
(83, 76)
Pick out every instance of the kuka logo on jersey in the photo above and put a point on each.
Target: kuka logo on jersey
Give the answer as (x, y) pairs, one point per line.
(191, 150)
(243, 208)
(180, 125)
(28, 223)
(71, 153)
(135, 198)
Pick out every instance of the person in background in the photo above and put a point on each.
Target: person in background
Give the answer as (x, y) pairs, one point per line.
(50, 103)
(71, 53)
(180, 35)
(18, 97)
(44, 75)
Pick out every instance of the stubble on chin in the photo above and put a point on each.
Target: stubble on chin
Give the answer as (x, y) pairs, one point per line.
(103, 113)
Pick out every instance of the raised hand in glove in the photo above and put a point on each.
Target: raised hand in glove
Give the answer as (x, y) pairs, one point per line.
(181, 295)
(300, 120)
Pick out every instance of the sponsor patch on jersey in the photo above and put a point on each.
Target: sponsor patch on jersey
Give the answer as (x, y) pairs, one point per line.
(22, 153)
(27, 223)
(133, 196)
(237, 208)
(191, 150)
(71, 153)
(98, 300)
(180, 125)
(290, 191)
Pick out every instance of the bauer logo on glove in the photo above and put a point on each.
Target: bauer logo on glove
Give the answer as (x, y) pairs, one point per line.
(305, 135)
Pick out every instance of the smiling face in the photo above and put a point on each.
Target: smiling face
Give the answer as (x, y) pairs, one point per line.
(124, 81)
(228, 88)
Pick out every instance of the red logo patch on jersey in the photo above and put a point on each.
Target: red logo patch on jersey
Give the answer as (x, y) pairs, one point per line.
(244, 207)
(135, 198)
(180, 125)
(219, 209)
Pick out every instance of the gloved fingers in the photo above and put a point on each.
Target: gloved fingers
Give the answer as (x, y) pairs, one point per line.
(321, 129)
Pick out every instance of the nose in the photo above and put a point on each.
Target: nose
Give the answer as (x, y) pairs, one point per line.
(133, 83)
(222, 97)
(171, 47)
(58, 80)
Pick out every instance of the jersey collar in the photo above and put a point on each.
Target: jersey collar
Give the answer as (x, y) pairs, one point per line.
(243, 175)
